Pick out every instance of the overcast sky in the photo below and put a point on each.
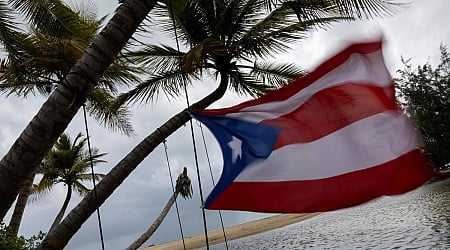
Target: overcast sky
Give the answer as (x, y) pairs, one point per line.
(414, 33)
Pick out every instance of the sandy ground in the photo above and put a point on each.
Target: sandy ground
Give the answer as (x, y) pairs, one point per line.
(235, 232)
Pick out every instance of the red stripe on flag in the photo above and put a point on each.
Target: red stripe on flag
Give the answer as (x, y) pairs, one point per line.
(302, 82)
(330, 110)
(395, 177)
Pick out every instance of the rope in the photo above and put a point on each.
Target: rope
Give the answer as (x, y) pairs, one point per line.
(212, 179)
(192, 132)
(93, 179)
(173, 189)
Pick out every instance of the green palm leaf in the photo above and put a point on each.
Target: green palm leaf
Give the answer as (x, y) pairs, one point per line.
(54, 17)
(100, 107)
(170, 82)
(276, 73)
(156, 56)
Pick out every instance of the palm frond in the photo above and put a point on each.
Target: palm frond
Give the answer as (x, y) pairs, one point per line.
(366, 8)
(275, 74)
(80, 188)
(54, 17)
(39, 64)
(276, 31)
(94, 155)
(120, 73)
(170, 82)
(64, 142)
(161, 57)
(190, 22)
(88, 177)
(245, 84)
(80, 166)
(45, 185)
(8, 28)
(239, 16)
(100, 107)
(36, 194)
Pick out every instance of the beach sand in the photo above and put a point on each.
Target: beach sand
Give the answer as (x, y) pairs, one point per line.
(234, 232)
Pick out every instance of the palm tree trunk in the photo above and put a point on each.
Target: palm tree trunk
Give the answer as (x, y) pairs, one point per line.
(145, 236)
(19, 209)
(61, 106)
(60, 236)
(61, 212)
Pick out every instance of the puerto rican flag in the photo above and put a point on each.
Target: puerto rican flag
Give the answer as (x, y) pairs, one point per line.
(328, 140)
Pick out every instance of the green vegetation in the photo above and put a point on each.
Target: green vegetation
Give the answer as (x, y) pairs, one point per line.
(425, 96)
(9, 240)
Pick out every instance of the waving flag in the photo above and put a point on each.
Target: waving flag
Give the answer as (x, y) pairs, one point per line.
(331, 139)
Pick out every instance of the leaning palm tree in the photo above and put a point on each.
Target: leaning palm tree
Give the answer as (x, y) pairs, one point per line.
(69, 163)
(41, 58)
(61, 106)
(19, 208)
(34, 66)
(184, 188)
(218, 34)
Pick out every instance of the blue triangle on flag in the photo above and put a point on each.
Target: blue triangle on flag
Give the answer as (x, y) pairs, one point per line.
(242, 143)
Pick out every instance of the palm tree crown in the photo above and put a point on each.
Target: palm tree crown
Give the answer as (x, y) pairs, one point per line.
(68, 163)
(39, 59)
(234, 38)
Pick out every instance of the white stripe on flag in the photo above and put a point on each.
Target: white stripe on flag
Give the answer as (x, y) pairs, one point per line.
(366, 143)
(367, 69)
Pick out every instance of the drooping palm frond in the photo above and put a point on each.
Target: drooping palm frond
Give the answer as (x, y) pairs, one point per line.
(367, 8)
(53, 17)
(190, 22)
(121, 73)
(275, 32)
(79, 188)
(8, 28)
(171, 83)
(239, 16)
(162, 57)
(45, 56)
(348, 8)
(45, 185)
(276, 74)
(243, 83)
(100, 107)
(40, 64)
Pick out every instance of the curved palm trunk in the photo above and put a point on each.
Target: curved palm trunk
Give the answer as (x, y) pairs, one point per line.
(60, 236)
(61, 106)
(61, 212)
(145, 236)
(21, 203)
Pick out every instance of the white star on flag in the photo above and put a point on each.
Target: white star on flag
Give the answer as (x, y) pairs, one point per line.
(236, 148)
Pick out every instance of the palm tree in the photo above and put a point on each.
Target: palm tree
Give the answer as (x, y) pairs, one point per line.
(211, 28)
(19, 208)
(184, 188)
(63, 103)
(35, 65)
(42, 57)
(67, 163)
